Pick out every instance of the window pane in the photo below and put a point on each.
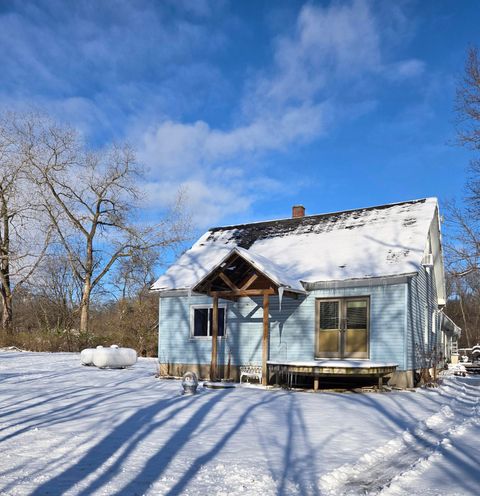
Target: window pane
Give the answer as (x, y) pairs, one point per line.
(329, 315)
(200, 322)
(356, 314)
(356, 341)
(328, 341)
(221, 321)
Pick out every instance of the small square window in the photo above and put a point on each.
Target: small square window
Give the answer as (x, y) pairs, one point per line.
(202, 319)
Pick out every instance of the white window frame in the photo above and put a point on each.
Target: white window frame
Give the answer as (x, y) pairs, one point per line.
(210, 308)
(434, 322)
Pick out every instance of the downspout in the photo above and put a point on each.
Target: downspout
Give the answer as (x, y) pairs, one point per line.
(159, 320)
(405, 332)
(442, 334)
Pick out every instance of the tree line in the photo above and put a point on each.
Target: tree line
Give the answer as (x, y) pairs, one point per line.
(71, 233)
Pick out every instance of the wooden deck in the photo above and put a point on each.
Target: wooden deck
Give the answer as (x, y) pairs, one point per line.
(330, 368)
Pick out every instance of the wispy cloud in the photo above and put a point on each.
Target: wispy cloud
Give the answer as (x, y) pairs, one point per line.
(104, 65)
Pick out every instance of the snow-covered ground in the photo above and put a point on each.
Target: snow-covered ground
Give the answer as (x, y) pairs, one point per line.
(70, 429)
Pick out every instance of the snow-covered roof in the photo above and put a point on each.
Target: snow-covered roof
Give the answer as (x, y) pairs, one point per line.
(381, 241)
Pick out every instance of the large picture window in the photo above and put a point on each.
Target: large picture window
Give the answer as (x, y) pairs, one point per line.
(201, 321)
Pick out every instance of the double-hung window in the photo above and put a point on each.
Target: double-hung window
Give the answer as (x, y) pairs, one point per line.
(201, 319)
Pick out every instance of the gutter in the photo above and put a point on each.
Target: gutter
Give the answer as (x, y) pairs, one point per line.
(360, 282)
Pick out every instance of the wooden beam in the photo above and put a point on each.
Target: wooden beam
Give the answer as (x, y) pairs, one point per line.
(246, 292)
(257, 292)
(233, 259)
(228, 282)
(250, 281)
(265, 350)
(213, 363)
(225, 296)
(233, 295)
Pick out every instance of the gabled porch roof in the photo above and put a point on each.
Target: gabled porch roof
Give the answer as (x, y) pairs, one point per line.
(241, 271)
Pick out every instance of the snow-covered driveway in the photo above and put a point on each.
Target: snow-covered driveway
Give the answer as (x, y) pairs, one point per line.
(68, 429)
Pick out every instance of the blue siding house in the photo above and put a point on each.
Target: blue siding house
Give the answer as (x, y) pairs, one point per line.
(359, 292)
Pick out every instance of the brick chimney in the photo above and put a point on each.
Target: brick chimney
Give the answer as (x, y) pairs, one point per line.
(298, 211)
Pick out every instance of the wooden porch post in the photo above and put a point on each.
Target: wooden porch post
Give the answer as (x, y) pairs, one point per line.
(265, 347)
(213, 363)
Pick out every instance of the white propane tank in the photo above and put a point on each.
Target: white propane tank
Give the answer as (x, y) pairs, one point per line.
(114, 357)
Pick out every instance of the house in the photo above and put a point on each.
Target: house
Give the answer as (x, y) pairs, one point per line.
(359, 292)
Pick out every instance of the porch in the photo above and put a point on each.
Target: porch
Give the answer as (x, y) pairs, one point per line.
(288, 371)
(240, 274)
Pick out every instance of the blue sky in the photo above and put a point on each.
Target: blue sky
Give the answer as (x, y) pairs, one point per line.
(253, 106)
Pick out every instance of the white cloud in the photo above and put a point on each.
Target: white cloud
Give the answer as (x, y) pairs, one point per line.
(340, 41)
(208, 200)
(173, 147)
(214, 194)
(405, 69)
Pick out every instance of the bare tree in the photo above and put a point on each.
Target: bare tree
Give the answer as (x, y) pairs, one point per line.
(135, 273)
(468, 102)
(464, 306)
(463, 248)
(55, 291)
(92, 199)
(24, 232)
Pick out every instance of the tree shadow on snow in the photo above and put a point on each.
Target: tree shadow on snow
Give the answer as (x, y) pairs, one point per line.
(123, 438)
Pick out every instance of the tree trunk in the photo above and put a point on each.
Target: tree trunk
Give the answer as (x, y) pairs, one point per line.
(7, 313)
(85, 306)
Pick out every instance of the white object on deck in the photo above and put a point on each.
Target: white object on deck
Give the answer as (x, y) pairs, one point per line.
(252, 371)
(457, 369)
